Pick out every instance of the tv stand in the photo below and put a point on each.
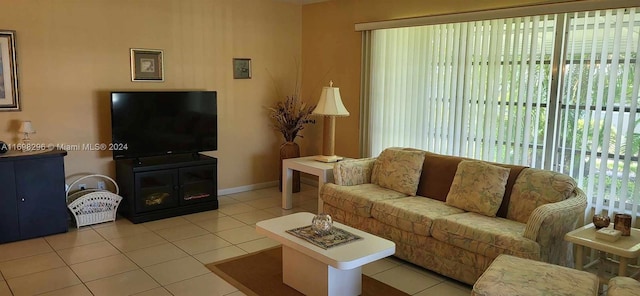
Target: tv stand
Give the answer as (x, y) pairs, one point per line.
(160, 187)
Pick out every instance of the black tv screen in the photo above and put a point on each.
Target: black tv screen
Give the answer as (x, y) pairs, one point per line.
(153, 123)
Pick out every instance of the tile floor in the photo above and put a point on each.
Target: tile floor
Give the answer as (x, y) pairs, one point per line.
(167, 257)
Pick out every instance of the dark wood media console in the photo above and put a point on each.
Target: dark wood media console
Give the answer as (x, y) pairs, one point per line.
(160, 187)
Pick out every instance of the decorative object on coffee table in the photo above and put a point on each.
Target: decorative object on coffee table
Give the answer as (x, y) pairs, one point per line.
(622, 222)
(290, 117)
(321, 223)
(601, 221)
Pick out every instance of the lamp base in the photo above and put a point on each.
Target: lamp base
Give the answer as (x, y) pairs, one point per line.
(325, 158)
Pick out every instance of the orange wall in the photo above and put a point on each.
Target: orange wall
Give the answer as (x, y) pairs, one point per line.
(331, 50)
(72, 53)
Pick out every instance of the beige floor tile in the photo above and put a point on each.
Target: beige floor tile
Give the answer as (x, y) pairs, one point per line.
(247, 195)
(234, 209)
(103, 267)
(251, 218)
(181, 232)
(88, 252)
(226, 200)
(155, 292)
(122, 229)
(127, 283)
(265, 203)
(378, 266)
(136, 242)
(119, 221)
(29, 265)
(77, 290)
(219, 254)
(207, 284)
(220, 224)
(156, 254)
(258, 245)
(309, 205)
(25, 248)
(73, 238)
(206, 215)
(446, 288)
(240, 235)
(44, 281)
(4, 289)
(165, 223)
(201, 244)
(406, 280)
(176, 270)
(279, 211)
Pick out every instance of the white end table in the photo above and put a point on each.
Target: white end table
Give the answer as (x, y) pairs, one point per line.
(626, 247)
(315, 271)
(308, 165)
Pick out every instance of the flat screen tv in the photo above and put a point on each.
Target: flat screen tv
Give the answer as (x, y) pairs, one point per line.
(153, 123)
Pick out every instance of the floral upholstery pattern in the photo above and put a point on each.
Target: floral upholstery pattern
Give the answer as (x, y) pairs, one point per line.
(398, 169)
(353, 171)
(549, 223)
(414, 214)
(357, 199)
(623, 286)
(509, 275)
(484, 235)
(535, 187)
(478, 187)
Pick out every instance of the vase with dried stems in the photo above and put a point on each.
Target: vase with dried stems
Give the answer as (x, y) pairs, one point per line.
(290, 117)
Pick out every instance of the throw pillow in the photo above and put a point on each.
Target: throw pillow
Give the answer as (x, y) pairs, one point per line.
(398, 169)
(478, 187)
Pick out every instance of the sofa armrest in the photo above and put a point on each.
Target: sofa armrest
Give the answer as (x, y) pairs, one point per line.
(353, 171)
(549, 223)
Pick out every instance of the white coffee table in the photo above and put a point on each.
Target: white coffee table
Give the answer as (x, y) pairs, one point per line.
(316, 271)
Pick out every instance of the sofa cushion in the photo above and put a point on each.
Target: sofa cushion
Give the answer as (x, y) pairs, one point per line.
(478, 187)
(414, 214)
(534, 188)
(398, 169)
(437, 175)
(484, 235)
(357, 199)
(353, 171)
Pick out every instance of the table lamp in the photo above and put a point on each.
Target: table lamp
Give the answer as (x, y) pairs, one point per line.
(26, 128)
(330, 105)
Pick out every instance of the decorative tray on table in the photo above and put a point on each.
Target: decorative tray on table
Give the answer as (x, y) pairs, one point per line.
(325, 240)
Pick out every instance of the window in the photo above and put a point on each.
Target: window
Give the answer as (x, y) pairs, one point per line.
(555, 92)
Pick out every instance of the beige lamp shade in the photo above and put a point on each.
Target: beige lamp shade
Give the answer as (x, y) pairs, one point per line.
(26, 127)
(330, 102)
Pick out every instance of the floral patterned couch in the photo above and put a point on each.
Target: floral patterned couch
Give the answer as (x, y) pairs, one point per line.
(454, 215)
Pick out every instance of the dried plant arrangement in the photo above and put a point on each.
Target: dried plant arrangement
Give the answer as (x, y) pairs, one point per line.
(290, 116)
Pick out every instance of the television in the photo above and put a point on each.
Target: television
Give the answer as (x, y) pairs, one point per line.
(154, 123)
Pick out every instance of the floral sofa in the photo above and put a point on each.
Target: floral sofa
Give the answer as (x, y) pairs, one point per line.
(454, 215)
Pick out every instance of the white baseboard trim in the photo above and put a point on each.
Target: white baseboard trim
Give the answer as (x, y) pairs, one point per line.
(233, 190)
(227, 191)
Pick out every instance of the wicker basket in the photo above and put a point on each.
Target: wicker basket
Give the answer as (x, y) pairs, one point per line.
(93, 206)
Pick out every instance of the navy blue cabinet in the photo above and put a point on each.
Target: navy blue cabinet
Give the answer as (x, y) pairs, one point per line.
(32, 195)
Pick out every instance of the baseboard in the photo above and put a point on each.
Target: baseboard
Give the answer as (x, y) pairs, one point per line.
(233, 190)
(227, 191)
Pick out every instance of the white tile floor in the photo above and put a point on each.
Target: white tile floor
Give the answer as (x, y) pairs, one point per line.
(167, 257)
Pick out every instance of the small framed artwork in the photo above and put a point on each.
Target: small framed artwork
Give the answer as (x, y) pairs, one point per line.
(241, 68)
(9, 98)
(147, 65)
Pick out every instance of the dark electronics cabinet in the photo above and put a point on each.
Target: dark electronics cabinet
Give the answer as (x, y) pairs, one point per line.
(160, 187)
(32, 195)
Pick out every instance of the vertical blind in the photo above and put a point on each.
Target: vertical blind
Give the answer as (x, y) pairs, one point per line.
(555, 92)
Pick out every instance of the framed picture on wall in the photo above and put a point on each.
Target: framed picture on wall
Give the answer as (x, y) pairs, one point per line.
(9, 98)
(147, 65)
(241, 68)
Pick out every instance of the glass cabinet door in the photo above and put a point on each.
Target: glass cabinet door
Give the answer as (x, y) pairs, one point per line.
(197, 184)
(156, 190)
